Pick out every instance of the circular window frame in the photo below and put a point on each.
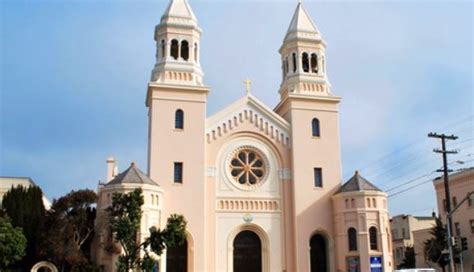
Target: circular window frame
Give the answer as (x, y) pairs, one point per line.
(246, 186)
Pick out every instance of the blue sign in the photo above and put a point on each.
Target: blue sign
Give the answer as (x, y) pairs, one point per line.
(376, 264)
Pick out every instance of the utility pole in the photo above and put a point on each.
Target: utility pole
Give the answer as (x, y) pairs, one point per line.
(445, 171)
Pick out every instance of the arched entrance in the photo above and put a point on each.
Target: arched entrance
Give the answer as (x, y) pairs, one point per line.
(44, 267)
(177, 258)
(247, 253)
(318, 253)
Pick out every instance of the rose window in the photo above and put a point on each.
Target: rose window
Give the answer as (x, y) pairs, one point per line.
(247, 167)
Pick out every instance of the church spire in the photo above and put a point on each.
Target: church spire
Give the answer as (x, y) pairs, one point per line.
(302, 25)
(303, 58)
(178, 42)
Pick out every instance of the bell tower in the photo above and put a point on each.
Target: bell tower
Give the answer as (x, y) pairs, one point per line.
(303, 58)
(177, 47)
(307, 103)
(176, 101)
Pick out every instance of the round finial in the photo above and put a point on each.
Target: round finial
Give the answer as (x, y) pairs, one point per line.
(133, 164)
(357, 172)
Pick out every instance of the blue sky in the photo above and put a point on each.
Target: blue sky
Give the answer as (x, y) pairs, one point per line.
(73, 80)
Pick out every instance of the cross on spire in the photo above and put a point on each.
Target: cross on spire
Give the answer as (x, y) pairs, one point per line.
(247, 83)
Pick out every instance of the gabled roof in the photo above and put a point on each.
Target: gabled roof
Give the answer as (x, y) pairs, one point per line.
(132, 175)
(179, 8)
(301, 25)
(250, 101)
(357, 183)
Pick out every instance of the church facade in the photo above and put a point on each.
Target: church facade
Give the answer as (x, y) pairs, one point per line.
(260, 187)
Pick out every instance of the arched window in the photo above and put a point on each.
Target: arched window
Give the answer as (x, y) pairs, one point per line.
(185, 50)
(374, 203)
(352, 238)
(305, 62)
(195, 52)
(287, 65)
(347, 203)
(294, 62)
(368, 202)
(315, 128)
(174, 49)
(352, 203)
(179, 119)
(318, 253)
(314, 63)
(373, 238)
(163, 49)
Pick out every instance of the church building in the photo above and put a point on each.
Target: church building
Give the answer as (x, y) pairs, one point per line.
(260, 187)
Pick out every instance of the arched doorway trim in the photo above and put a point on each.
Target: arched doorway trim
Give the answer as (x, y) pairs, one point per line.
(263, 238)
(330, 248)
(48, 265)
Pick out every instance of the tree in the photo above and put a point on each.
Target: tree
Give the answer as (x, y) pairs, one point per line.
(124, 223)
(12, 243)
(24, 206)
(410, 260)
(69, 229)
(435, 246)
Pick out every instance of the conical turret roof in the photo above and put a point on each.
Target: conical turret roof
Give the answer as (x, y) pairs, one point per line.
(302, 26)
(357, 183)
(132, 175)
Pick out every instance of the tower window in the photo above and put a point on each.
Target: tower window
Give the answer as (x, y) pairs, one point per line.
(352, 239)
(305, 62)
(287, 66)
(175, 49)
(294, 62)
(195, 52)
(185, 50)
(179, 119)
(163, 49)
(314, 63)
(318, 177)
(178, 172)
(373, 238)
(315, 128)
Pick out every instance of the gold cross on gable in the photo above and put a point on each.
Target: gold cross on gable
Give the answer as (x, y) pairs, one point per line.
(247, 82)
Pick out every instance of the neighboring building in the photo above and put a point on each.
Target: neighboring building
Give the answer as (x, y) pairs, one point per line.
(460, 184)
(260, 188)
(6, 183)
(405, 229)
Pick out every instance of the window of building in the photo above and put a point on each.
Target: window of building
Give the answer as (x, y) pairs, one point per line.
(179, 119)
(457, 229)
(373, 238)
(455, 202)
(185, 50)
(352, 203)
(472, 226)
(163, 49)
(294, 62)
(178, 172)
(374, 203)
(315, 128)
(368, 202)
(318, 177)
(305, 62)
(469, 200)
(352, 239)
(347, 203)
(314, 63)
(403, 233)
(445, 205)
(247, 167)
(196, 52)
(353, 264)
(175, 49)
